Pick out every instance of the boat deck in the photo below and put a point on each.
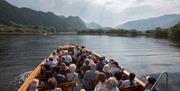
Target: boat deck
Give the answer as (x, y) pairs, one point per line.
(37, 71)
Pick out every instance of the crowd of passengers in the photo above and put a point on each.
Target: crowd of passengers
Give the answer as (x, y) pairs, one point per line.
(82, 66)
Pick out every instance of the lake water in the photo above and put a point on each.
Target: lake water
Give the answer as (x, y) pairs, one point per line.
(141, 55)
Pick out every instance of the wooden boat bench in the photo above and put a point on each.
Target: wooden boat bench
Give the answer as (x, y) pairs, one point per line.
(65, 85)
(136, 87)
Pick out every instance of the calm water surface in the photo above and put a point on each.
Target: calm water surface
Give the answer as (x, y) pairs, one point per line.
(141, 55)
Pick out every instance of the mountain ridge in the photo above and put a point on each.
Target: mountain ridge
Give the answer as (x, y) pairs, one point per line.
(163, 21)
(93, 25)
(27, 16)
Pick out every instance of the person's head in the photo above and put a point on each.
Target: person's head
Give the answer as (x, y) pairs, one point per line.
(48, 75)
(86, 62)
(54, 53)
(115, 64)
(111, 83)
(66, 52)
(124, 77)
(34, 83)
(103, 57)
(59, 60)
(118, 75)
(56, 69)
(90, 57)
(51, 59)
(77, 47)
(47, 67)
(82, 90)
(89, 52)
(72, 67)
(131, 76)
(60, 48)
(93, 66)
(57, 50)
(62, 58)
(151, 80)
(52, 83)
(100, 59)
(82, 52)
(82, 47)
(83, 56)
(111, 61)
(106, 68)
(102, 77)
(63, 66)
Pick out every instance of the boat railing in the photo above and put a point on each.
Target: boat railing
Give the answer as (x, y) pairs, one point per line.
(162, 82)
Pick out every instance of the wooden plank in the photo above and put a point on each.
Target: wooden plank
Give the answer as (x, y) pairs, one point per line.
(25, 85)
(136, 79)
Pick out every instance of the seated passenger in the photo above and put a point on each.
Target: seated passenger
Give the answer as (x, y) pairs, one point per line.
(81, 60)
(34, 85)
(58, 76)
(93, 57)
(149, 85)
(64, 69)
(100, 65)
(76, 51)
(106, 71)
(54, 56)
(72, 76)
(82, 49)
(101, 85)
(85, 67)
(52, 83)
(48, 75)
(115, 68)
(129, 82)
(89, 76)
(45, 67)
(46, 72)
(63, 60)
(104, 60)
(51, 62)
(89, 58)
(60, 60)
(118, 76)
(110, 62)
(111, 84)
(68, 58)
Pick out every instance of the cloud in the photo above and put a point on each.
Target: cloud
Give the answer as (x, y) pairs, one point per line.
(105, 12)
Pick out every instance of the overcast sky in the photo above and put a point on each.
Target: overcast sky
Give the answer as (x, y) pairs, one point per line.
(104, 12)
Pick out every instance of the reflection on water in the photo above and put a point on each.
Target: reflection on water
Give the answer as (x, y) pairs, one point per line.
(19, 54)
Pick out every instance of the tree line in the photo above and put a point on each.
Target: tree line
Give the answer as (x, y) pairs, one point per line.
(122, 32)
(172, 33)
(13, 28)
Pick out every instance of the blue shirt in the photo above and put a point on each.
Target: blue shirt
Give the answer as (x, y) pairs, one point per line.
(100, 65)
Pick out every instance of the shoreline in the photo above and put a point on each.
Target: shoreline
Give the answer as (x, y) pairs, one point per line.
(76, 33)
(19, 33)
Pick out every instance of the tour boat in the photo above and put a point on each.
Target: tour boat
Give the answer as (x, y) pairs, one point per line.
(36, 72)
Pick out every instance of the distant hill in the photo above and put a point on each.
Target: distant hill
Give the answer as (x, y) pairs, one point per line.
(93, 25)
(26, 16)
(164, 21)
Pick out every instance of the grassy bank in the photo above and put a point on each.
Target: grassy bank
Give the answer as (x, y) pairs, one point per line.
(16, 29)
